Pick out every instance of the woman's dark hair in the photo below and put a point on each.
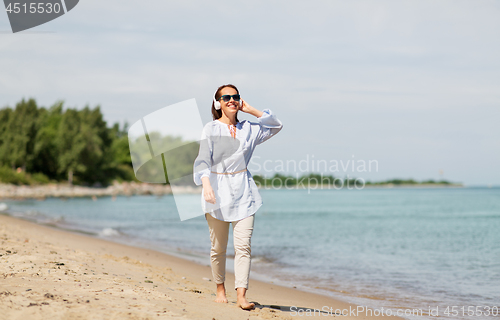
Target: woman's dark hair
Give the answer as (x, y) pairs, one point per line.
(216, 114)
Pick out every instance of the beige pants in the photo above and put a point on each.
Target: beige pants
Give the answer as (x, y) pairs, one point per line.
(242, 232)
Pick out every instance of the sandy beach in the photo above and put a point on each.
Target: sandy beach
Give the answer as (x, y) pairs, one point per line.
(55, 274)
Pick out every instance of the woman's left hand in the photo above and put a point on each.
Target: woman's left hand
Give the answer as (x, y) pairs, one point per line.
(245, 107)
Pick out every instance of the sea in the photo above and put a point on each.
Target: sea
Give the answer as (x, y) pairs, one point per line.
(436, 250)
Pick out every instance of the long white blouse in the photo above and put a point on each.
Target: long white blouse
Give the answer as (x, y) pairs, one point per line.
(224, 159)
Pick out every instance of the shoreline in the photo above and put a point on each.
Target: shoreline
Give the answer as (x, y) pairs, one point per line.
(50, 272)
(52, 190)
(63, 190)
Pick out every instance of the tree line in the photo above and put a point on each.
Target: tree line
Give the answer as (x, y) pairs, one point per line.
(56, 144)
(280, 180)
(38, 145)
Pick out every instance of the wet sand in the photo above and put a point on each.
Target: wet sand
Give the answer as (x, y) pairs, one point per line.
(55, 274)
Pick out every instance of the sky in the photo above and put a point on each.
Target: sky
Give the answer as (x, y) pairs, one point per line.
(413, 86)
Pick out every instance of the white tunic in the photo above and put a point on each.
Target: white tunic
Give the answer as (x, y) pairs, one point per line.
(224, 160)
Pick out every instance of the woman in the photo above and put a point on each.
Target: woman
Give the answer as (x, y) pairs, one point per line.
(230, 194)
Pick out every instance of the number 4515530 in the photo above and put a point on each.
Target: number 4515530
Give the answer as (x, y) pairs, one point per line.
(455, 311)
(33, 8)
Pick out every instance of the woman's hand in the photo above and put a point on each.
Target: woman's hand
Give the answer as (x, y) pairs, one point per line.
(208, 192)
(245, 107)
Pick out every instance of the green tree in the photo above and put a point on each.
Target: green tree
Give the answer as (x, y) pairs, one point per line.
(96, 158)
(46, 149)
(118, 160)
(70, 144)
(5, 115)
(19, 134)
(84, 144)
(120, 146)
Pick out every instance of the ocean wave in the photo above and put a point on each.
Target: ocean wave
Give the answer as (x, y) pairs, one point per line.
(109, 232)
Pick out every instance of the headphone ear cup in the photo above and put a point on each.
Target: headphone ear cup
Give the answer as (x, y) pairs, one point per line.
(216, 103)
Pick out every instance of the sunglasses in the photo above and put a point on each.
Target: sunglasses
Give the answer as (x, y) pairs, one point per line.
(226, 97)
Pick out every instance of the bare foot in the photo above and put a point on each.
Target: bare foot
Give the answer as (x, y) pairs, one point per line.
(242, 301)
(244, 304)
(221, 293)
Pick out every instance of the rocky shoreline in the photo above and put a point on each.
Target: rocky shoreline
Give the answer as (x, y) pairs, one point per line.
(10, 191)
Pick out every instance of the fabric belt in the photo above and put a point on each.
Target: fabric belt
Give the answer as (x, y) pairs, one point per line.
(230, 172)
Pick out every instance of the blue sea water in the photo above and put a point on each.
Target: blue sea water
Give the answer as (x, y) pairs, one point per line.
(401, 248)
